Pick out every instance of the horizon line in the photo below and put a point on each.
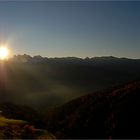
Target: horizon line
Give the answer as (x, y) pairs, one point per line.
(86, 57)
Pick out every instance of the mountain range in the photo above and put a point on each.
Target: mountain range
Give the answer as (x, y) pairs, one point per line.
(49, 82)
(69, 98)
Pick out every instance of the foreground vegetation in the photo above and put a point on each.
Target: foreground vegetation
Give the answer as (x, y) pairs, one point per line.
(19, 129)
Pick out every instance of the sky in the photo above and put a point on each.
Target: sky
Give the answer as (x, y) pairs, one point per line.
(71, 28)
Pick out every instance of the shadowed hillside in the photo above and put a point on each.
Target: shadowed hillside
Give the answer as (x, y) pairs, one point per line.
(112, 113)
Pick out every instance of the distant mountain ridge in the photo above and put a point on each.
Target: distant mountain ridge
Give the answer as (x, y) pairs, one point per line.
(38, 58)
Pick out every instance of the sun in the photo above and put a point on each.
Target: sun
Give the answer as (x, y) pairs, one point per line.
(4, 52)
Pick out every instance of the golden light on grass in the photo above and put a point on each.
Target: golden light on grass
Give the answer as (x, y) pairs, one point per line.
(4, 53)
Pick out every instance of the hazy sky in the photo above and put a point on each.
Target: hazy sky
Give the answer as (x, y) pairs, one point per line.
(71, 28)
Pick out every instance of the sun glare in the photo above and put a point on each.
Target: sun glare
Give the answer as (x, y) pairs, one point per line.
(4, 52)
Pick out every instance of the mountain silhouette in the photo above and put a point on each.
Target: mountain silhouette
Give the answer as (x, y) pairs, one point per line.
(50, 82)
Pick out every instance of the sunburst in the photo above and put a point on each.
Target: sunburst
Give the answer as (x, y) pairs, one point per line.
(4, 53)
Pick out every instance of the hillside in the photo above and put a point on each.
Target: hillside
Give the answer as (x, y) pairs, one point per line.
(112, 113)
(22, 112)
(21, 122)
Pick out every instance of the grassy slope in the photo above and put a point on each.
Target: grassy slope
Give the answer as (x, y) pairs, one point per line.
(19, 129)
